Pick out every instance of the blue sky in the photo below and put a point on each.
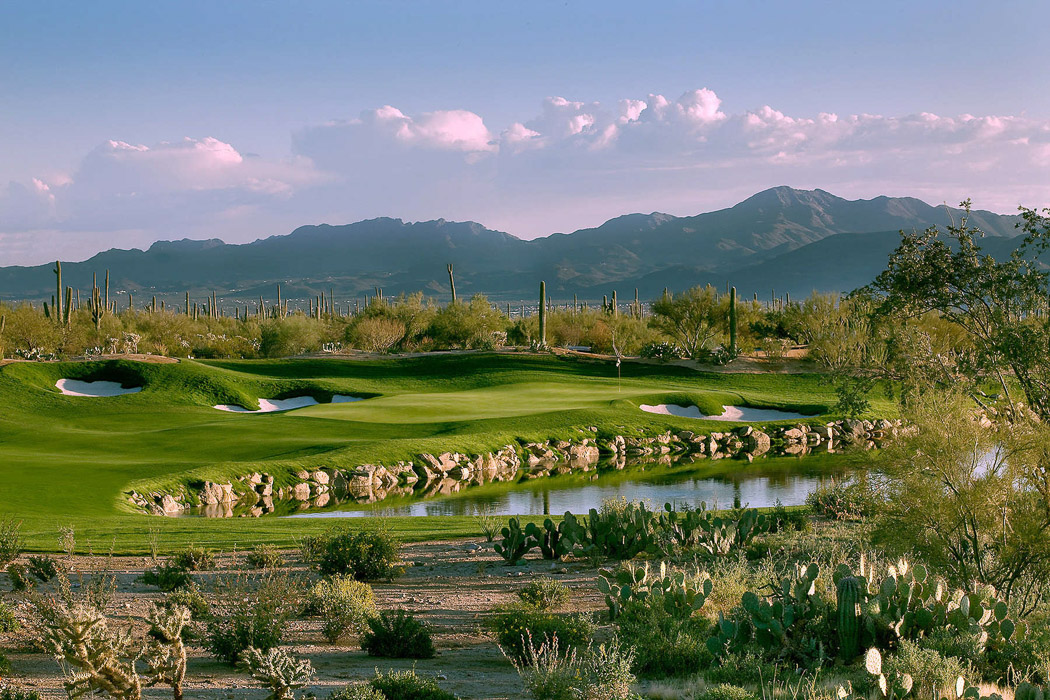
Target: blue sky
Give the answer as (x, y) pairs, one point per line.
(123, 123)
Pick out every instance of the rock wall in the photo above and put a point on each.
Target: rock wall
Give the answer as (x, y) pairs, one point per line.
(428, 475)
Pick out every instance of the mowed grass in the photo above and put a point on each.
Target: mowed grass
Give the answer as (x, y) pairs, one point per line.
(69, 460)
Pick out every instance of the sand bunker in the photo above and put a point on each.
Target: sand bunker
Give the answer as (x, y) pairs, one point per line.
(740, 414)
(278, 405)
(73, 387)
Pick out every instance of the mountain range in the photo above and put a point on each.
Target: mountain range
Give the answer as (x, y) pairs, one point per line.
(779, 240)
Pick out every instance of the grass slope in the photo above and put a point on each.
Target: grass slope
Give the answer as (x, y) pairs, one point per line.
(67, 460)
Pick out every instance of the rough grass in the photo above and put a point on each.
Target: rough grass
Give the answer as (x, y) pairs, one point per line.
(67, 460)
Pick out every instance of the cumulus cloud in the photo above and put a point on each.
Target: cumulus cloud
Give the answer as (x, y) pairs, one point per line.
(570, 164)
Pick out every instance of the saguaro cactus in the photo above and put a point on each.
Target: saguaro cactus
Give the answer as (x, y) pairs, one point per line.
(98, 306)
(543, 314)
(452, 283)
(59, 292)
(849, 596)
(615, 305)
(732, 322)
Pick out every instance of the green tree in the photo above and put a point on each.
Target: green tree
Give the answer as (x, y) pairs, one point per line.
(970, 500)
(998, 305)
(694, 319)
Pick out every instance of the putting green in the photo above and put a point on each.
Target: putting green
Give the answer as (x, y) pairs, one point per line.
(67, 460)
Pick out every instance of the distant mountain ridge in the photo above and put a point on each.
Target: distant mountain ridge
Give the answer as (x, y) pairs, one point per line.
(779, 239)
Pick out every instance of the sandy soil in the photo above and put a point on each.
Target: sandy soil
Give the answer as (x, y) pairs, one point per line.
(452, 585)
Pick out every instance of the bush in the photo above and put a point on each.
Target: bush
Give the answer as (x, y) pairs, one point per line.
(662, 351)
(742, 668)
(8, 621)
(665, 647)
(398, 635)
(544, 593)
(345, 604)
(407, 685)
(42, 568)
(726, 691)
(194, 558)
(15, 693)
(357, 692)
(190, 598)
(514, 625)
(842, 500)
(597, 674)
(166, 577)
(19, 576)
(247, 615)
(10, 540)
(264, 556)
(366, 555)
(931, 672)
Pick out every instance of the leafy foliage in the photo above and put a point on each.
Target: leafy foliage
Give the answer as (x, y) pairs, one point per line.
(397, 635)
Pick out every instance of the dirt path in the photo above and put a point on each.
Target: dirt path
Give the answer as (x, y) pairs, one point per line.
(453, 585)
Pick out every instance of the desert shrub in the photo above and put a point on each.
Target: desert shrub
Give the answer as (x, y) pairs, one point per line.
(931, 672)
(742, 668)
(7, 693)
(357, 692)
(514, 625)
(490, 525)
(250, 613)
(19, 576)
(377, 334)
(398, 635)
(842, 500)
(665, 646)
(663, 351)
(367, 555)
(602, 673)
(727, 691)
(782, 519)
(10, 540)
(345, 605)
(292, 335)
(264, 556)
(8, 621)
(544, 593)
(191, 598)
(167, 577)
(194, 558)
(42, 568)
(407, 685)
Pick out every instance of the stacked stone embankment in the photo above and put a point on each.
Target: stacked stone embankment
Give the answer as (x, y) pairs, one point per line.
(256, 494)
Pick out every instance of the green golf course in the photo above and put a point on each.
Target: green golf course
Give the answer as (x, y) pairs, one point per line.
(68, 460)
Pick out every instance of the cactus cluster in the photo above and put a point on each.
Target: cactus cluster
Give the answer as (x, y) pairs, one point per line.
(515, 544)
(715, 535)
(680, 594)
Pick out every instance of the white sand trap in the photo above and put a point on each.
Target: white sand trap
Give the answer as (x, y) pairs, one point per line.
(736, 414)
(278, 405)
(73, 387)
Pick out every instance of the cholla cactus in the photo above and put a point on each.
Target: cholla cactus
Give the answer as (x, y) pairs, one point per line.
(279, 671)
(97, 659)
(165, 653)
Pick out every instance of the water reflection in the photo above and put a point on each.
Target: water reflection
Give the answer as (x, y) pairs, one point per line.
(752, 487)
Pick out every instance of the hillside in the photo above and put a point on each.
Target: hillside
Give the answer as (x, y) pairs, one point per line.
(772, 240)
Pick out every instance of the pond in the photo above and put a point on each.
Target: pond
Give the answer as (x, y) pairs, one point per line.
(785, 479)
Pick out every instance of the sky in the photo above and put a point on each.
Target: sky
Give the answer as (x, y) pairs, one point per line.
(123, 123)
